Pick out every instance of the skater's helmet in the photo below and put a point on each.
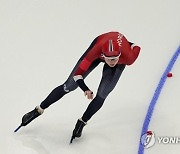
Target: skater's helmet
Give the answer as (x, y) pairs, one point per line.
(111, 48)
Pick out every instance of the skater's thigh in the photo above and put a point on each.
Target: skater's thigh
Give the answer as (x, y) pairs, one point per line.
(70, 83)
(110, 77)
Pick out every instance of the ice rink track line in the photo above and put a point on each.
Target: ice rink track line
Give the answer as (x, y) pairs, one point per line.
(155, 98)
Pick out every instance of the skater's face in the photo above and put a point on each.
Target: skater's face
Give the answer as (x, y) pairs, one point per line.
(111, 61)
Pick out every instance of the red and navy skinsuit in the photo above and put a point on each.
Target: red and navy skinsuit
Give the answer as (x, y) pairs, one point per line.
(89, 60)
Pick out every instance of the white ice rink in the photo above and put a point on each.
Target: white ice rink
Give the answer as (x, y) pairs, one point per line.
(40, 42)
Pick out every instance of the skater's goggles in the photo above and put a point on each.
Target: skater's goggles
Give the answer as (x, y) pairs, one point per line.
(111, 57)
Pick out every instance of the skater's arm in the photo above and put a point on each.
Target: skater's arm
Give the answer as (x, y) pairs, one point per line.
(92, 55)
(130, 52)
(79, 80)
(89, 94)
(84, 87)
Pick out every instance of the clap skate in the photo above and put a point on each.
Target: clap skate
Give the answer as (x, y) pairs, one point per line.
(28, 117)
(77, 132)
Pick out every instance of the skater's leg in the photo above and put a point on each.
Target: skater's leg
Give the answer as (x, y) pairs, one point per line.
(54, 96)
(108, 82)
(93, 107)
(70, 84)
(110, 77)
(59, 91)
(65, 88)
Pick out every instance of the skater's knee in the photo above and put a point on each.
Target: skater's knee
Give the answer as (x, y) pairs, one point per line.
(103, 94)
(69, 87)
(99, 98)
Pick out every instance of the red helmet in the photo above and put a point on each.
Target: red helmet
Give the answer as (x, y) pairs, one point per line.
(111, 48)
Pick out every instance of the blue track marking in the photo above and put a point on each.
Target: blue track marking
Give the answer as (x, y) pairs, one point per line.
(155, 98)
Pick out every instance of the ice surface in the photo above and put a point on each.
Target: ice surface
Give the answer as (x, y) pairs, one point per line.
(41, 40)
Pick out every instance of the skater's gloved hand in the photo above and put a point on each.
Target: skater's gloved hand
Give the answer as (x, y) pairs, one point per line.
(89, 94)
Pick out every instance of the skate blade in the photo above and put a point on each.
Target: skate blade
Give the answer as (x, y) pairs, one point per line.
(72, 138)
(17, 128)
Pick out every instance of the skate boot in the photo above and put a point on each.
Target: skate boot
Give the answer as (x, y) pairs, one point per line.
(77, 132)
(28, 117)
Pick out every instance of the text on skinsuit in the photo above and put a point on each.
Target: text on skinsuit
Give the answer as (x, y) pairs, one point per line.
(119, 39)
